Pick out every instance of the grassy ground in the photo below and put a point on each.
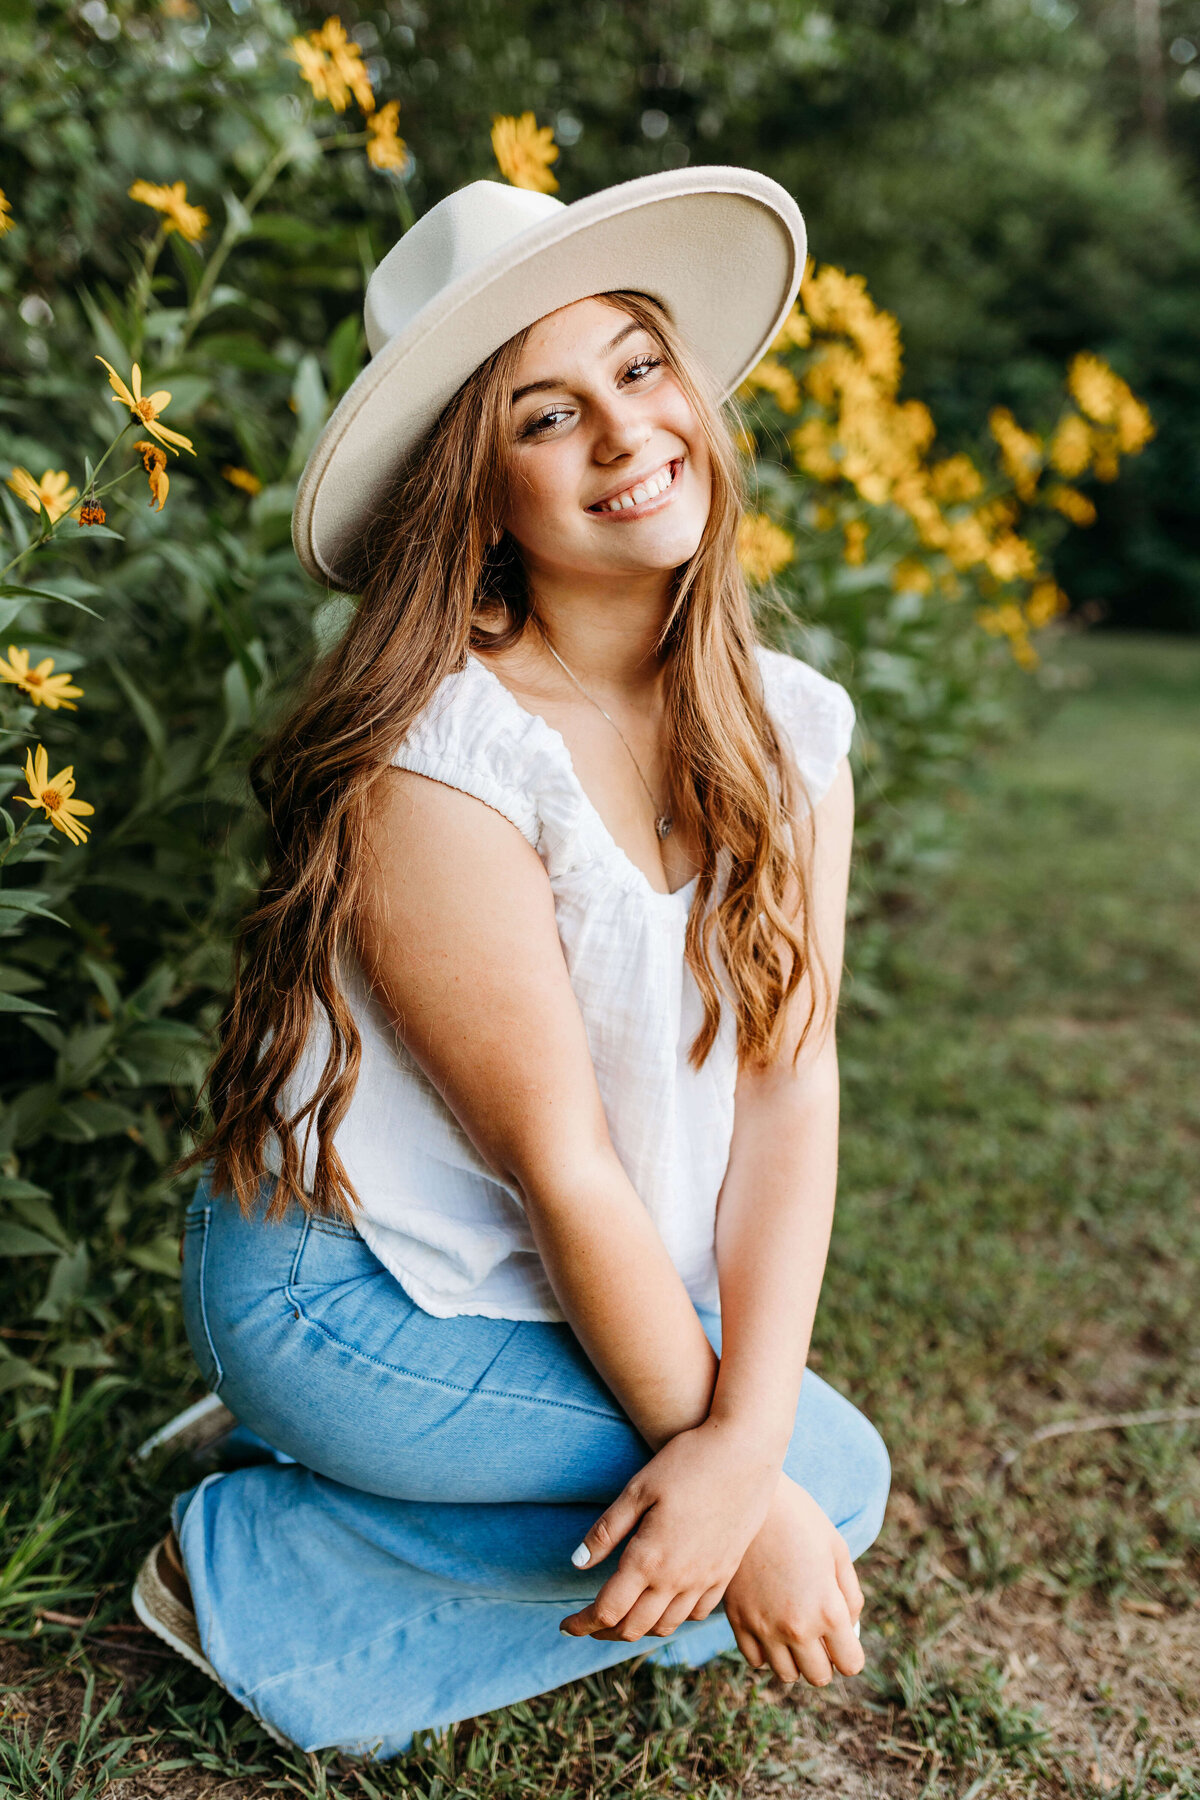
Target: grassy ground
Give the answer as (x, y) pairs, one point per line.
(1017, 1248)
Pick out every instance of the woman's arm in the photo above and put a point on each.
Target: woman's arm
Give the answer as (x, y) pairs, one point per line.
(459, 940)
(776, 1205)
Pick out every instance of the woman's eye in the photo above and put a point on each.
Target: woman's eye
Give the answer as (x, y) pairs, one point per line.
(644, 362)
(542, 422)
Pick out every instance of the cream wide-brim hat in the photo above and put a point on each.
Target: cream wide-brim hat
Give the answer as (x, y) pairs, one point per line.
(722, 249)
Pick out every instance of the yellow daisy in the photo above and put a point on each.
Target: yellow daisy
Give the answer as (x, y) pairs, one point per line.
(191, 222)
(524, 152)
(51, 491)
(54, 796)
(6, 221)
(346, 58)
(763, 547)
(385, 150)
(145, 407)
(43, 688)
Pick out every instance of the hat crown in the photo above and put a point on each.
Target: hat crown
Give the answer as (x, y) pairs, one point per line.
(446, 243)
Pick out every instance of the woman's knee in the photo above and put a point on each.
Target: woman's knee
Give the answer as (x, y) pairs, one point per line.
(837, 1455)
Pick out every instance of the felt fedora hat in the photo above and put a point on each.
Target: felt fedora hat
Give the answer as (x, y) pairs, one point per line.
(722, 249)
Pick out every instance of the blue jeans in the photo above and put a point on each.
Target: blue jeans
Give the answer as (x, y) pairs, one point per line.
(410, 1568)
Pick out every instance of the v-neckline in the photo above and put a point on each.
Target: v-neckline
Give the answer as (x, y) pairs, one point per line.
(557, 738)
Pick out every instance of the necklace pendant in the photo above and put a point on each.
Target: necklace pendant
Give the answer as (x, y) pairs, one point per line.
(664, 825)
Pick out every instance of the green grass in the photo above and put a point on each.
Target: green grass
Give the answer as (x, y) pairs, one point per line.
(1016, 1245)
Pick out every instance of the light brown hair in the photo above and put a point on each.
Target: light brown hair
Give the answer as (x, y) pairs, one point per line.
(435, 555)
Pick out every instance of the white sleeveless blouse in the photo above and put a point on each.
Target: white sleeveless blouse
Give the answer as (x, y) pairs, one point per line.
(453, 1235)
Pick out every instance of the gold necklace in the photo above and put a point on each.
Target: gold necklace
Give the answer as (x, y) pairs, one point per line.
(663, 822)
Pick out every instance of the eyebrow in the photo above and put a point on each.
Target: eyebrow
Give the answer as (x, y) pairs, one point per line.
(537, 387)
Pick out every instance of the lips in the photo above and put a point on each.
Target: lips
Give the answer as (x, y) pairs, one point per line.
(605, 508)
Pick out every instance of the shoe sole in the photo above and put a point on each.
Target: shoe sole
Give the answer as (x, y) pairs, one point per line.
(175, 1624)
(192, 1429)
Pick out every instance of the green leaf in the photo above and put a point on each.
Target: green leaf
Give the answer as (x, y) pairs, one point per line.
(81, 1121)
(12, 590)
(88, 1355)
(147, 717)
(35, 1211)
(18, 1240)
(13, 900)
(19, 1003)
(158, 1258)
(15, 1372)
(67, 1284)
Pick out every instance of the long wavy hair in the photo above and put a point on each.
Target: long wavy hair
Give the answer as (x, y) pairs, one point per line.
(434, 556)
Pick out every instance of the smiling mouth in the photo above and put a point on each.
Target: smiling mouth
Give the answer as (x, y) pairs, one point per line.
(627, 506)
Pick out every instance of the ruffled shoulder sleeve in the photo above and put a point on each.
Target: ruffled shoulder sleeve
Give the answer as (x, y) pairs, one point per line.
(474, 735)
(816, 713)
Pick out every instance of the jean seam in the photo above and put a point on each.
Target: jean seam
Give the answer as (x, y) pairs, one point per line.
(450, 1387)
(201, 1277)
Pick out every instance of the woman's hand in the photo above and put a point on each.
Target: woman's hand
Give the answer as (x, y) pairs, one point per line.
(701, 1501)
(794, 1600)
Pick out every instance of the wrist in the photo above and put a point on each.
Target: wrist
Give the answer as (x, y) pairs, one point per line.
(757, 1439)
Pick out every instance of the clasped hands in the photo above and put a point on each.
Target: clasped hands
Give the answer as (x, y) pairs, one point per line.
(719, 1520)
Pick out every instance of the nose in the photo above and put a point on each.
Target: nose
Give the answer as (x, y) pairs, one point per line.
(620, 431)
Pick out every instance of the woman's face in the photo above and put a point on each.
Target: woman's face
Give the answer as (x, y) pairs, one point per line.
(610, 470)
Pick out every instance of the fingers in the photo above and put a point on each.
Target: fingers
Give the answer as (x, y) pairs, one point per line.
(844, 1650)
(706, 1602)
(614, 1523)
(847, 1577)
(681, 1608)
(750, 1647)
(812, 1661)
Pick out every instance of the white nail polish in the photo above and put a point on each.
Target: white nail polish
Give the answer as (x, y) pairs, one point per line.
(581, 1557)
(857, 1631)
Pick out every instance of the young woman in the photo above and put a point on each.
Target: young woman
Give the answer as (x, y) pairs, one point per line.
(521, 1169)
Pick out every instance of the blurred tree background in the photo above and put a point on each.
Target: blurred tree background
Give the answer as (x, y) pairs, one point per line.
(1015, 179)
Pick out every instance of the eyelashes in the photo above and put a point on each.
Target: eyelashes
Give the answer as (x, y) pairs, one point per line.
(543, 421)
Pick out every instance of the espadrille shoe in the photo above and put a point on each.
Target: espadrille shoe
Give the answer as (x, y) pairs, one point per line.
(162, 1601)
(196, 1428)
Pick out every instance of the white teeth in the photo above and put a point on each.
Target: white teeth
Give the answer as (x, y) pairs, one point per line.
(646, 490)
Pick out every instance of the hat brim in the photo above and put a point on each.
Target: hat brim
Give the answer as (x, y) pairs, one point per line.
(721, 248)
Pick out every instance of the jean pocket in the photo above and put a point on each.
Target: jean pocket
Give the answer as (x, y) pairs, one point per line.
(196, 1227)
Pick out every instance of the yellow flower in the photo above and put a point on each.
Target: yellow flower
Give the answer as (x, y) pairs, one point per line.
(178, 9)
(346, 58)
(242, 478)
(1045, 603)
(1011, 558)
(145, 407)
(54, 796)
(774, 379)
(523, 152)
(1020, 451)
(1135, 427)
(854, 542)
(6, 222)
(794, 334)
(763, 547)
(43, 688)
(384, 149)
(1072, 504)
(1071, 446)
(955, 479)
(910, 576)
(191, 222)
(333, 66)
(154, 461)
(51, 491)
(316, 69)
(1094, 387)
